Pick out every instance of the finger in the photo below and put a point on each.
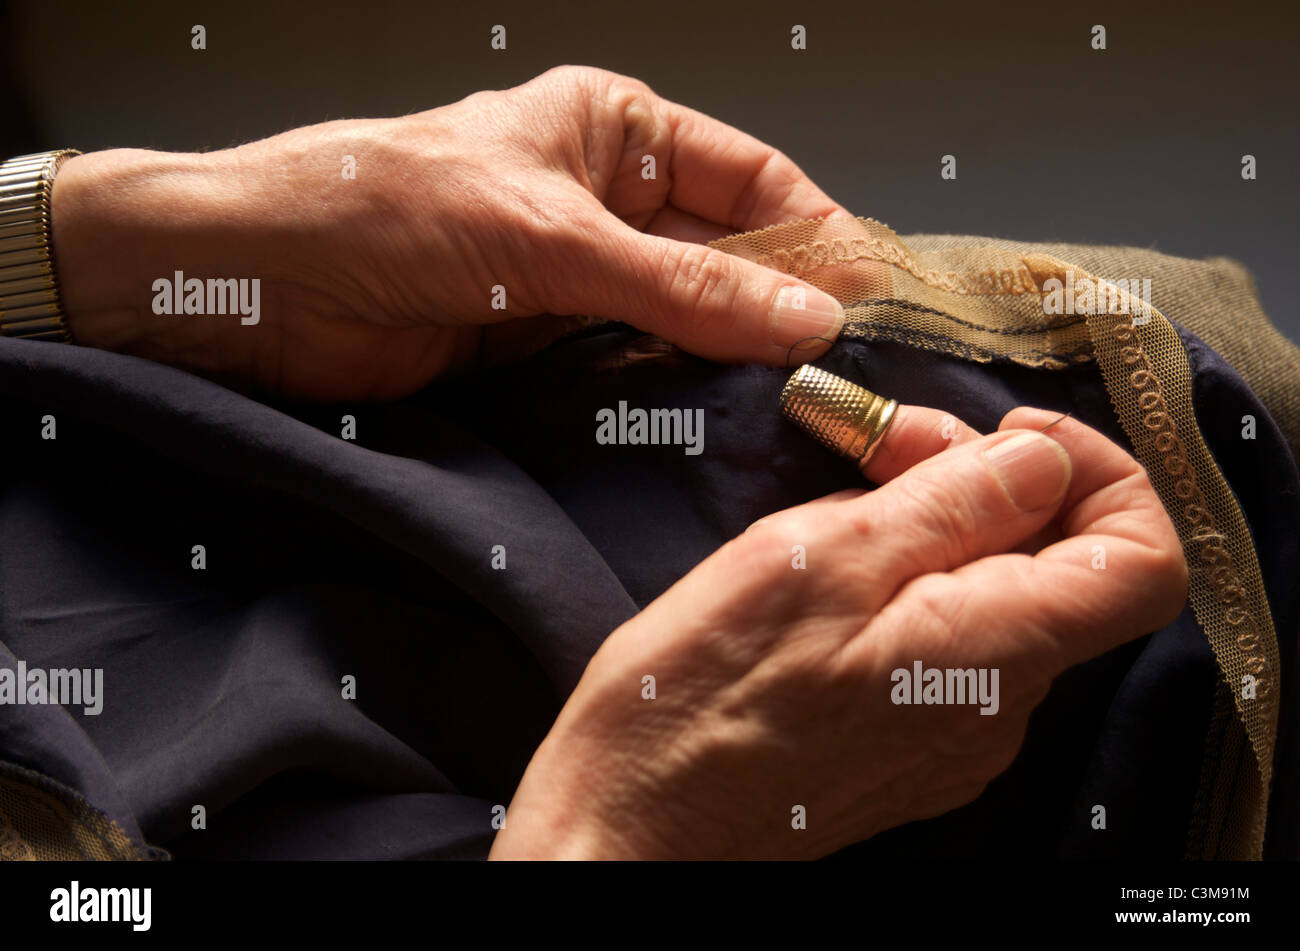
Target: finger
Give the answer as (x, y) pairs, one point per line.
(1120, 571)
(915, 434)
(1064, 605)
(1117, 575)
(1101, 464)
(967, 502)
(723, 175)
(826, 501)
(1120, 575)
(670, 222)
(713, 304)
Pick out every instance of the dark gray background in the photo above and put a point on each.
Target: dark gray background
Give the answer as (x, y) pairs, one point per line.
(1140, 144)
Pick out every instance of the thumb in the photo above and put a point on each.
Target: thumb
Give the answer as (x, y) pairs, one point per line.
(978, 499)
(711, 303)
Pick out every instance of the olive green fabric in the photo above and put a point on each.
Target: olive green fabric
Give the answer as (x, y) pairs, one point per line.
(1216, 298)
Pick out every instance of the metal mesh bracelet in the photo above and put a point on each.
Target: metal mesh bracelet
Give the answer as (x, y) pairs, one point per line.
(29, 293)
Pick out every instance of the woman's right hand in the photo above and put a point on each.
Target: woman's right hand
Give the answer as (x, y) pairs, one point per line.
(774, 686)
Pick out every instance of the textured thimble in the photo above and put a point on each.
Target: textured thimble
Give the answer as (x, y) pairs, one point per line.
(841, 415)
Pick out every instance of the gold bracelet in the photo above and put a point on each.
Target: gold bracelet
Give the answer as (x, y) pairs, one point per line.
(29, 292)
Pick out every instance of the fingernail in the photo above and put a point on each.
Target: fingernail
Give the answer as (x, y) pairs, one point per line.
(1033, 468)
(803, 314)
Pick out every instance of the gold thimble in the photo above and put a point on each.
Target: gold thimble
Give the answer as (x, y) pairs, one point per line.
(841, 415)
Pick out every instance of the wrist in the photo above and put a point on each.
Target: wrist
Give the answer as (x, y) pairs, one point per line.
(551, 817)
(578, 802)
(124, 218)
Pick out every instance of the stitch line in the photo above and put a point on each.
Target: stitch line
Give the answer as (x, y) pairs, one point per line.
(1021, 329)
(860, 328)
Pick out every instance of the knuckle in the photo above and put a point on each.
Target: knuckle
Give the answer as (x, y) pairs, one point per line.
(771, 548)
(1164, 567)
(935, 605)
(706, 286)
(1169, 575)
(568, 74)
(627, 86)
(780, 530)
(942, 517)
(742, 209)
(759, 562)
(592, 81)
(754, 548)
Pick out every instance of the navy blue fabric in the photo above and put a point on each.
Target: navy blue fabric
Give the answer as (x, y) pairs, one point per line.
(328, 558)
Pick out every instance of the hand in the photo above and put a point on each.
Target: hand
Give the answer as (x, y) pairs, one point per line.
(775, 686)
(372, 286)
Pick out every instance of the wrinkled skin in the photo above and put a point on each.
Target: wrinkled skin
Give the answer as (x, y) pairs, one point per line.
(773, 684)
(375, 285)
